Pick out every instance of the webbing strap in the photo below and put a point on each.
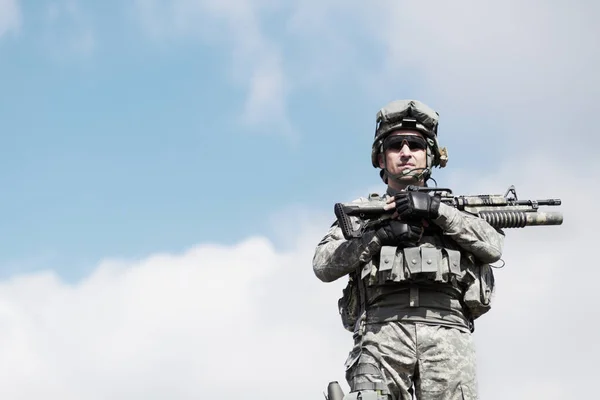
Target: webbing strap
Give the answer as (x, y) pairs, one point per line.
(369, 369)
(414, 297)
(365, 395)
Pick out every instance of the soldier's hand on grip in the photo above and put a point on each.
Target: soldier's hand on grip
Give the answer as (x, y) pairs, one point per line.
(397, 232)
(415, 205)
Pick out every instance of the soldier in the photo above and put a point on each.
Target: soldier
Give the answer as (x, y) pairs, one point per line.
(412, 302)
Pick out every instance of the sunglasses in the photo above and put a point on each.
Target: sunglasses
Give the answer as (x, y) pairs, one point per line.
(398, 141)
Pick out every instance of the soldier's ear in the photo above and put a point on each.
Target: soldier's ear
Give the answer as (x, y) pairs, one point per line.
(380, 160)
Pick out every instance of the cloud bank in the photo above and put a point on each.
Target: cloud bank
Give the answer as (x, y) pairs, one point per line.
(500, 61)
(216, 321)
(251, 320)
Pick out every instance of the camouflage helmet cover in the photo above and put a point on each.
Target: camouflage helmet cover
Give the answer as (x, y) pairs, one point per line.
(413, 115)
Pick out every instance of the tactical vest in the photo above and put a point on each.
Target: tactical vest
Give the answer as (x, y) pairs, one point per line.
(436, 262)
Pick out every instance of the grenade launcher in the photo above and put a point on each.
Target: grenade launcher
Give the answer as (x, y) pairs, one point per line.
(500, 211)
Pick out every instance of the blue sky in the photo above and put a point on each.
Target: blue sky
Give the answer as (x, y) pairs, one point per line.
(169, 166)
(116, 143)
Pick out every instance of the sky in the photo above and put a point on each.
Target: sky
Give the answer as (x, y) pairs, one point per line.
(169, 167)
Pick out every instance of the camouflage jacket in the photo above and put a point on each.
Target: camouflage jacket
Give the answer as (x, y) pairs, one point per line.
(478, 243)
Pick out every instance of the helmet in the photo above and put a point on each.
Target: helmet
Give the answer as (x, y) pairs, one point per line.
(413, 115)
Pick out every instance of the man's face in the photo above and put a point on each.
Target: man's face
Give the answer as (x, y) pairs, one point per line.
(403, 152)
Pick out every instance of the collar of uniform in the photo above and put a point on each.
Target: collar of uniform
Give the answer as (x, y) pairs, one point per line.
(391, 192)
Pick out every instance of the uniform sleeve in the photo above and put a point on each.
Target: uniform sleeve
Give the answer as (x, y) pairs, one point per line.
(471, 233)
(335, 256)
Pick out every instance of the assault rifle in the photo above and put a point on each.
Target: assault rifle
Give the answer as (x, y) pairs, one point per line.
(500, 211)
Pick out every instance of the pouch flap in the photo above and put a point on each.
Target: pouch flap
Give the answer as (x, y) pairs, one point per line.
(412, 255)
(387, 257)
(432, 258)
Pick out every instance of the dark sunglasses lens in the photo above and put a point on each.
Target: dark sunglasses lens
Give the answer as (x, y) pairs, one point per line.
(413, 142)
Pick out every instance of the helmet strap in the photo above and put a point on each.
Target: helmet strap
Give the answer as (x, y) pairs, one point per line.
(417, 174)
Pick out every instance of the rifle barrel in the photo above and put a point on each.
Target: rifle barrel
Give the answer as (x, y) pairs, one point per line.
(545, 202)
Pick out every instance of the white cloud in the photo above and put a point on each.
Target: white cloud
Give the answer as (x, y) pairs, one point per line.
(505, 61)
(505, 66)
(257, 63)
(496, 62)
(252, 320)
(10, 16)
(328, 44)
(214, 321)
(266, 95)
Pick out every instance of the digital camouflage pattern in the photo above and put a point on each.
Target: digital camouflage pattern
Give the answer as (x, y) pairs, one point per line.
(400, 341)
(412, 306)
(335, 256)
(417, 302)
(391, 357)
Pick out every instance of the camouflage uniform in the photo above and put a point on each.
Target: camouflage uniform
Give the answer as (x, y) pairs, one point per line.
(417, 305)
(411, 307)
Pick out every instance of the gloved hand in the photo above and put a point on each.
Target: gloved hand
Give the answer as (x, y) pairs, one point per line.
(397, 232)
(416, 205)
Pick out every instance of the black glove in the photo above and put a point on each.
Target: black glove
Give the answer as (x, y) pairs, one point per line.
(397, 232)
(415, 205)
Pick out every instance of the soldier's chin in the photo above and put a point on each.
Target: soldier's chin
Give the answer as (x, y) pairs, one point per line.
(407, 172)
(406, 177)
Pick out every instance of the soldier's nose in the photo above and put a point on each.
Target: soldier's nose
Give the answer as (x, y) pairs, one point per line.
(405, 150)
